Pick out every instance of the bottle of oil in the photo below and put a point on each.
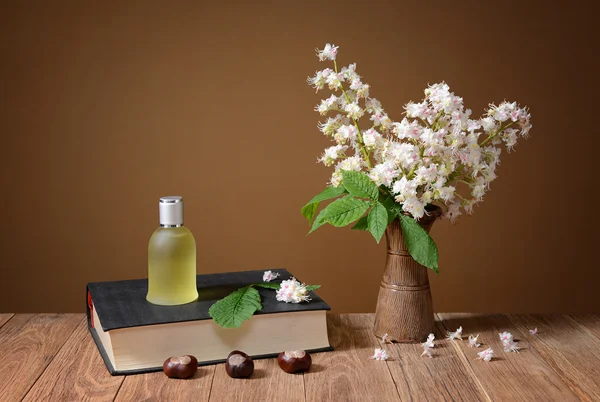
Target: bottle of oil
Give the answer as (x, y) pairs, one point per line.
(171, 257)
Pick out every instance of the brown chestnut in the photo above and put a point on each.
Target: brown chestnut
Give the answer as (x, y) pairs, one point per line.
(180, 366)
(294, 361)
(239, 365)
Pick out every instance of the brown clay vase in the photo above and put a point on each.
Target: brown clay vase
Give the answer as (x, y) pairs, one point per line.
(404, 306)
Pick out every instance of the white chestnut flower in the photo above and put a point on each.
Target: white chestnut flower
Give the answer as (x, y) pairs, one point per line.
(385, 339)
(268, 276)
(328, 53)
(429, 342)
(511, 346)
(486, 355)
(505, 336)
(455, 335)
(426, 350)
(380, 354)
(292, 291)
(473, 341)
(533, 331)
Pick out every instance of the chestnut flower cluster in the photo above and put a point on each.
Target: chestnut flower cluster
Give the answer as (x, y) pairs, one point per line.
(292, 291)
(436, 154)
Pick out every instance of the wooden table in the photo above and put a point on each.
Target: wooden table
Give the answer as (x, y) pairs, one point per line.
(51, 357)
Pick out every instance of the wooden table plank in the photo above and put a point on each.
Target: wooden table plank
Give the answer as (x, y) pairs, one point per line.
(348, 373)
(267, 383)
(523, 376)
(28, 343)
(438, 378)
(77, 373)
(4, 319)
(591, 322)
(158, 387)
(571, 350)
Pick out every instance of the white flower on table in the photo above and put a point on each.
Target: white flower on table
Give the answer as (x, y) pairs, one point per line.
(473, 341)
(456, 334)
(426, 350)
(268, 276)
(505, 336)
(533, 331)
(429, 342)
(380, 354)
(486, 355)
(511, 346)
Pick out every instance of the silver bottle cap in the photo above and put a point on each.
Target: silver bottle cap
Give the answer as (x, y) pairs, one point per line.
(171, 211)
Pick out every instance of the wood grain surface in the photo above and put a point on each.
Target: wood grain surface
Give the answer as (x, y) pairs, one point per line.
(568, 348)
(77, 373)
(4, 318)
(52, 357)
(158, 387)
(422, 378)
(348, 373)
(28, 343)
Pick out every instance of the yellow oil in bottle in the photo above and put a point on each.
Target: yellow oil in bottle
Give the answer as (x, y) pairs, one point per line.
(172, 260)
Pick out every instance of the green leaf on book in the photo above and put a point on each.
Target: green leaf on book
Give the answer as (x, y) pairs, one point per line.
(420, 245)
(377, 221)
(361, 224)
(310, 288)
(309, 210)
(239, 306)
(345, 211)
(359, 184)
(268, 285)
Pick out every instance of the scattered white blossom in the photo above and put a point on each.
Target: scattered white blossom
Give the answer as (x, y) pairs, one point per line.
(429, 342)
(533, 331)
(423, 157)
(292, 291)
(473, 341)
(426, 350)
(268, 276)
(456, 334)
(384, 338)
(508, 342)
(486, 355)
(511, 346)
(380, 354)
(505, 336)
(428, 345)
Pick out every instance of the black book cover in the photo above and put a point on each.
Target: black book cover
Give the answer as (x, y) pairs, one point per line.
(122, 304)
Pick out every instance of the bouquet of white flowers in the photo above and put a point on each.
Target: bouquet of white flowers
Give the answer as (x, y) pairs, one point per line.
(436, 154)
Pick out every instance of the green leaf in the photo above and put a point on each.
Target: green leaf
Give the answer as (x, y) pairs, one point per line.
(393, 208)
(359, 184)
(268, 285)
(239, 306)
(309, 210)
(344, 211)
(320, 221)
(378, 221)
(362, 224)
(310, 288)
(420, 245)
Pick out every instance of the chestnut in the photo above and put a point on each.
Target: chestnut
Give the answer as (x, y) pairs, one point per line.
(294, 361)
(239, 365)
(180, 366)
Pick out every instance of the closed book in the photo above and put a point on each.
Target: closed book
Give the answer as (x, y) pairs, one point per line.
(135, 336)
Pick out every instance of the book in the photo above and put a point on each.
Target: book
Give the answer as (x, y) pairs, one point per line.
(135, 336)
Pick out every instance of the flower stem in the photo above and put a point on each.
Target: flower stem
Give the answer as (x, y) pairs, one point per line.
(361, 142)
(496, 133)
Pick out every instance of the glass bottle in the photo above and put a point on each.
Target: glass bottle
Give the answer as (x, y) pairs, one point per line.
(171, 257)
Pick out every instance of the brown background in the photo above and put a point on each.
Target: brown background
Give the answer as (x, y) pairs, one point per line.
(107, 106)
